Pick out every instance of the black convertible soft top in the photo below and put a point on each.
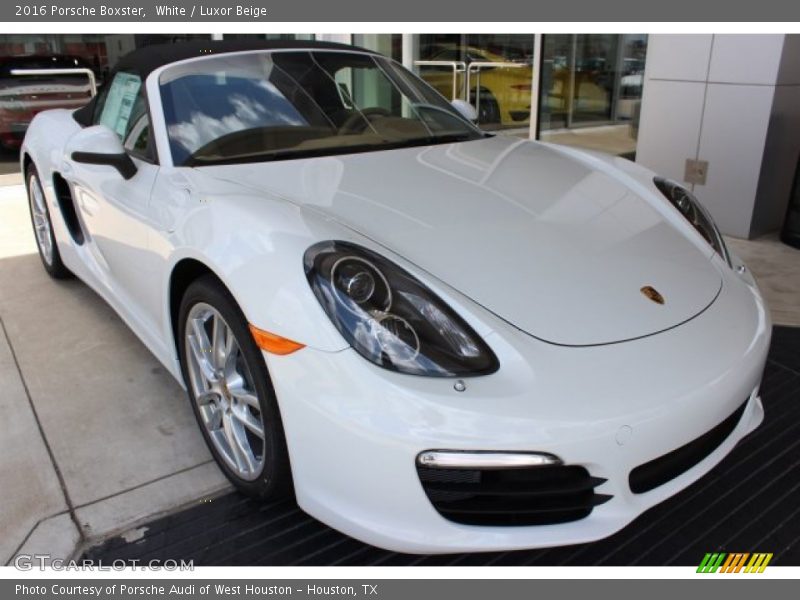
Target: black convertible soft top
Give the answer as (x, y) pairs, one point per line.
(144, 61)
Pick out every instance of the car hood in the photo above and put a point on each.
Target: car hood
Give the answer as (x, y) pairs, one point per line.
(555, 246)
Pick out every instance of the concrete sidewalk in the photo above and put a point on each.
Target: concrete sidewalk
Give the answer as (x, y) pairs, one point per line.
(96, 436)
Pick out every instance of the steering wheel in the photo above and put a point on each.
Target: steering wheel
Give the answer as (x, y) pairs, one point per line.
(355, 123)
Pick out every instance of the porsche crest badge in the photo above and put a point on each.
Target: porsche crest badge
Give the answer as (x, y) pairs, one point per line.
(651, 293)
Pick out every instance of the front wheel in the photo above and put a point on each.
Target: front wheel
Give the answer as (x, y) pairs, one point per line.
(231, 392)
(43, 227)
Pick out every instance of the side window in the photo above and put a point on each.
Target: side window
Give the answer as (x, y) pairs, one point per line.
(123, 109)
(138, 138)
(121, 103)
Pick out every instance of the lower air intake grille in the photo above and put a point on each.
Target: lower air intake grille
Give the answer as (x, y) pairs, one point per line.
(665, 468)
(524, 496)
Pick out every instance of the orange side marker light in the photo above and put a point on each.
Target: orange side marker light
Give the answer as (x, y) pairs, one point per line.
(274, 344)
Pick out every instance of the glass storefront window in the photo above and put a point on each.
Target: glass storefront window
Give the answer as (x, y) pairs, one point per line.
(492, 72)
(591, 90)
(23, 96)
(99, 52)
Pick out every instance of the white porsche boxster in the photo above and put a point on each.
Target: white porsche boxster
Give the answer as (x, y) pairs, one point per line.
(438, 339)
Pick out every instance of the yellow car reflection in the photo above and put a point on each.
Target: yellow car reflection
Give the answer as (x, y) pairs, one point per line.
(505, 91)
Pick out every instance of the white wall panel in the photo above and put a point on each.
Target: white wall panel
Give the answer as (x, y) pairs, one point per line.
(683, 56)
(669, 123)
(746, 58)
(732, 140)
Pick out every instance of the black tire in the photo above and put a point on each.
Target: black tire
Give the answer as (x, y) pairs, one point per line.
(54, 266)
(488, 108)
(274, 480)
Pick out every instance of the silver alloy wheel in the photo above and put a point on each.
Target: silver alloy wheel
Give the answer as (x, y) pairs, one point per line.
(41, 220)
(223, 390)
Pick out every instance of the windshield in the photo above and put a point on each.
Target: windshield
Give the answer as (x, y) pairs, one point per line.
(278, 105)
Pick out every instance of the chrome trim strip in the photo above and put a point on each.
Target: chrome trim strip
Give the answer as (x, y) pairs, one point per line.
(455, 459)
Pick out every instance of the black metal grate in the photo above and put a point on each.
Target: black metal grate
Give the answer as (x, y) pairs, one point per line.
(750, 502)
(665, 468)
(528, 496)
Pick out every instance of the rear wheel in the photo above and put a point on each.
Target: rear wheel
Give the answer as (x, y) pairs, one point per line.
(488, 108)
(231, 392)
(43, 227)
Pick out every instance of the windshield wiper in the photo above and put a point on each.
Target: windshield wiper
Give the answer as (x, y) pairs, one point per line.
(451, 137)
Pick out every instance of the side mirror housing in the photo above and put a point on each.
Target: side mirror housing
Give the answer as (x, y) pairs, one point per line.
(465, 109)
(98, 145)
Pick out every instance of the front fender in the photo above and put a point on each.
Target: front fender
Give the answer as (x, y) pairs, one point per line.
(45, 139)
(254, 244)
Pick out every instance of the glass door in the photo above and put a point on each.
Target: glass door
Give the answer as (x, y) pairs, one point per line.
(591, 90)
(594, 79)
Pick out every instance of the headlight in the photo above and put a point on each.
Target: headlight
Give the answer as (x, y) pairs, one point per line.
(695, 213)
(390, 318)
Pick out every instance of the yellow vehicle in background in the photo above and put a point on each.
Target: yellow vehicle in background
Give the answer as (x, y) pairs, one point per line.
(501, 94)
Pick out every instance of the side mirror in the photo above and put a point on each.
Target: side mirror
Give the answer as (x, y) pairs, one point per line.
(465, 109)
(98, 145)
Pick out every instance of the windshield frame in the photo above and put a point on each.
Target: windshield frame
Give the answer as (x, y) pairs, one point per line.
(160, 127)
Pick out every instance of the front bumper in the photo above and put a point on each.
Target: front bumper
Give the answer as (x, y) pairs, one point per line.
(354, 430)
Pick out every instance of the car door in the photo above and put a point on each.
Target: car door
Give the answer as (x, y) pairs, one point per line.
(115, 212)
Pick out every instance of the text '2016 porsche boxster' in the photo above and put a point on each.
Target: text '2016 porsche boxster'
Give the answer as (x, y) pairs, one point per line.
(440, 340)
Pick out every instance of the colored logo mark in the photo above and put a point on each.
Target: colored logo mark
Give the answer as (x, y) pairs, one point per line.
(734, 562)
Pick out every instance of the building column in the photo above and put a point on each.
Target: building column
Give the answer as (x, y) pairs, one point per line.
(536, 80)
(410, 50)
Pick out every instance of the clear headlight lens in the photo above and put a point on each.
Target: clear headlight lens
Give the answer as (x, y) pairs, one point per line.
(390, 318)
(694, 212)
